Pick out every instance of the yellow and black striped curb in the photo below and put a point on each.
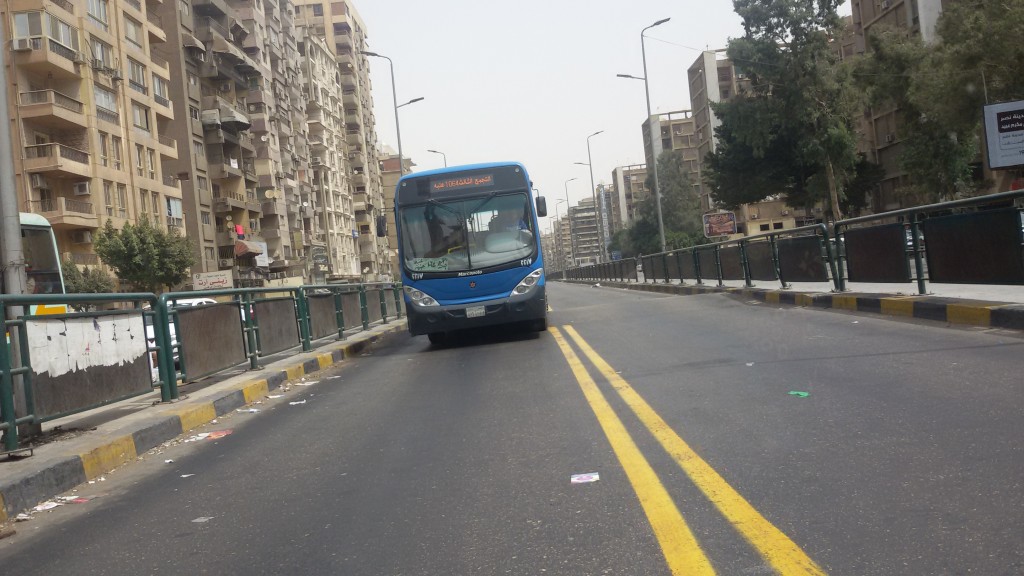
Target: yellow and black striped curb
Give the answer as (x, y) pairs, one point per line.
(60, 474)
(951, 310)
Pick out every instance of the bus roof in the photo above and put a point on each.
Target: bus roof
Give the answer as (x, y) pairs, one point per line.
(30, 219)
(451, 169)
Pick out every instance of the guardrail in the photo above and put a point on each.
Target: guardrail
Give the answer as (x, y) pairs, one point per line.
(16, 355)
(976, 240)
(109, 354)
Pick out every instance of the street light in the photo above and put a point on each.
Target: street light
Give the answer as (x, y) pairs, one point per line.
(442, 156)
(572, 252)
(558, 245)
(650, 129)
(597, 207)
(394, 98)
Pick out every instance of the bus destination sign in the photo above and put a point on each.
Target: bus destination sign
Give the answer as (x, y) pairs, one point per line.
(462, 182)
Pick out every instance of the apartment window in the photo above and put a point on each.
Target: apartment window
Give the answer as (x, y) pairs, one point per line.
(137, 76)
(208, 253)
(144, 201)
(122, 200)
(183, 7)
(108, 196)
(140, 164)
(115, 151)
(205, 217)
(156, 203)
(133, 31)
(161, 89)
(102, 51)
(203, 183)
(318, 9)
(193, 112)
(198, 148)
(151, 162)
(97, 10)
(174, 215)
(193, 80)
(104, 146)
(105, 99)
(140, 116)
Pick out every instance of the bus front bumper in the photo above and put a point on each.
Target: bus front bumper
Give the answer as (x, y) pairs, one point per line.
(422, 320)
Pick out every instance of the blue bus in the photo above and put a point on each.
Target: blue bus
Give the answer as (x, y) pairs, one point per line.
(469, 249)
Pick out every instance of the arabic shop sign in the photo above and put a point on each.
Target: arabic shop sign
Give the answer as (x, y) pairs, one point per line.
(212, 280)
(1004, 134)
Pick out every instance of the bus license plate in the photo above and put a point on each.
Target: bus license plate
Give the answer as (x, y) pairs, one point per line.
(475, 311)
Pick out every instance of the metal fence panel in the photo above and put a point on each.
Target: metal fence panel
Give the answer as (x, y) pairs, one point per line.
(976, 248)
(373, 304)
(352, 310)
(800, 259)
(877, 254)
(82, 361)
(278, 325)
(211, 339)
(708, 266)
(687, 269)
(322, 319)
(732, 266)
(760, 262)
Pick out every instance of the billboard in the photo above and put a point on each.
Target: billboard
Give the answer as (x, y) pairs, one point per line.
(218, 280)
(1004, 134)
(719, 224)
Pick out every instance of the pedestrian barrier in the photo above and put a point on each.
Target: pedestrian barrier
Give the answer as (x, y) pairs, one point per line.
(971, 241)
(54, 365)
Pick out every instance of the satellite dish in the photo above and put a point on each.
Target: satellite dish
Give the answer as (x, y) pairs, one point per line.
(228, 217)
(263, 138)
(270, 194)
(305, 203)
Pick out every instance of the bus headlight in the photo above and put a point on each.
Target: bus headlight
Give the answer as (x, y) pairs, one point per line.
(529, 282)
(418, 297)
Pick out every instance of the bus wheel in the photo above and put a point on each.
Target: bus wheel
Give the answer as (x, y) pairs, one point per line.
(437, 338)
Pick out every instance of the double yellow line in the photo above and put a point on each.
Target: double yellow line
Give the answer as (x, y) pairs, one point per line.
(682, 551)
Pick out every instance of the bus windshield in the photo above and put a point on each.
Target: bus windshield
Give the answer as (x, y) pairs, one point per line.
(41, 265)
(467, 233)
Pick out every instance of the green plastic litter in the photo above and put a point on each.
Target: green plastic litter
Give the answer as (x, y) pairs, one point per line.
(799, 393)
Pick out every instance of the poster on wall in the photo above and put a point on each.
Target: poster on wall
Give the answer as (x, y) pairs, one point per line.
(1004, 134)
(719, 224)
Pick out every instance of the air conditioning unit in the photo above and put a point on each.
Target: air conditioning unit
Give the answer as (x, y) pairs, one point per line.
(81, 188)
(81, 237)
(890, 137)
(753, 216)
(98, 64)
(225, 87)
(21, 45)
(226, 262)
(116, 76)
(81, 58)
(785, 212)
(38, 181)
(315, 160)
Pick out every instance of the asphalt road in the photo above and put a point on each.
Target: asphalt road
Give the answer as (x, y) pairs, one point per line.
(900, 454)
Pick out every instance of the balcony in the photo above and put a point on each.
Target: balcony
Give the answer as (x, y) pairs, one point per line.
(226, 201)
(52, 109)
(156, 31)
(274, 208)
(167, 146)
(57, 159)
(69, 214)
(215, 8)
(47, 56)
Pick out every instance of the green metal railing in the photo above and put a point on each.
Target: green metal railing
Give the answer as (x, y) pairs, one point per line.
(11, 367)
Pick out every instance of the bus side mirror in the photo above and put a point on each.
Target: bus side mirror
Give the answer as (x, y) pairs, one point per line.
(542, 207)
(382, 226)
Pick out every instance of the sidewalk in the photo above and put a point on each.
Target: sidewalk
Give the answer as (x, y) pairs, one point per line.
(964, 304)
(118, 433)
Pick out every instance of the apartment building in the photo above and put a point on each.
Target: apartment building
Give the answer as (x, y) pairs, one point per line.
(342, 28)
(585, 243)
(629, 187)
(89, 102)
(714, 78)
(390, 175)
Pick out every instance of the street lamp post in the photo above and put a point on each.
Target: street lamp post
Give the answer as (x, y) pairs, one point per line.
(572, 251)
(445, 158)
(394, 98)
(560, 253)
(650, 130)
(597, 207)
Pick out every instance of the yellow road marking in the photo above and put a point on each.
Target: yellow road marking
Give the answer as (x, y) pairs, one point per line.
(681, 550)
(774, 546)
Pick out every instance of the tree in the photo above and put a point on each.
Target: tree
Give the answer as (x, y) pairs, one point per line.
(87, 281)
(144, 256)
(794, 121)
(680, 210)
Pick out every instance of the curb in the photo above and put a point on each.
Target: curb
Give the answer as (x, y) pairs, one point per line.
(949, 310)
(118, 447)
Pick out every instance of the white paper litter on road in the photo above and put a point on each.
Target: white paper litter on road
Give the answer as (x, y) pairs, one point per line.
(50, 505)
(249, 410)
(298, 402)
(187, 475)
(275, 396)
(310, 383)
(202, 519)
(22, 517)
(584, 478)
(332, 377)
(750, 363)
(168, 461)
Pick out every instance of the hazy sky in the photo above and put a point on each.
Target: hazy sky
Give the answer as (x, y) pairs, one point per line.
(530, 80)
